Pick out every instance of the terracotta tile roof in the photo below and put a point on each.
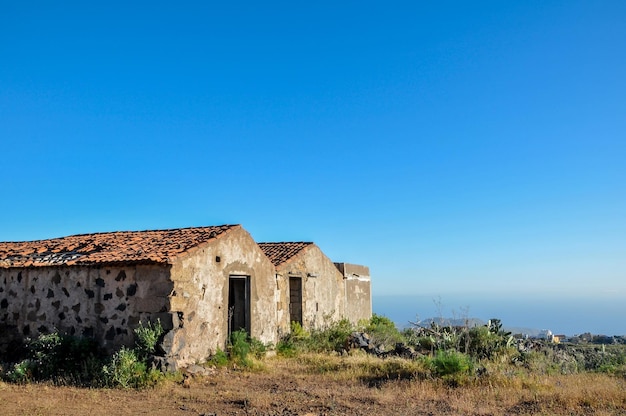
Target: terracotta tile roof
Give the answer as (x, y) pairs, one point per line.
(157, 246)
(280, 253)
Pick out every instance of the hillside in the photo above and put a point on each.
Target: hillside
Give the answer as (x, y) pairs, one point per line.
(316, 384)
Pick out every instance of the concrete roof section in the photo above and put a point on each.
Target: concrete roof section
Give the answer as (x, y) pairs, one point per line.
(354, 271)
(148, 247)
(280, 253)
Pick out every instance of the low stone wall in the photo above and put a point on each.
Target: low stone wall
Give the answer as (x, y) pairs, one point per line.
(105, 303)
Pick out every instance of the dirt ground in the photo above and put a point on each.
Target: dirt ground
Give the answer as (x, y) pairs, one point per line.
(288, 389)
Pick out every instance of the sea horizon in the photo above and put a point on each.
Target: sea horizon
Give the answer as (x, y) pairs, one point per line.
(567, 316)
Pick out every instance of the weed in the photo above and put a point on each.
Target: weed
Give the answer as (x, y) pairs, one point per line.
(286, 348)
(450, 362)
(239, 348)
(257, 348)
(297, 332)
(331, 338)
(219, 359)
(61, 358)
(22, 372)
(126, 370)
(383, 332)
(147, 338)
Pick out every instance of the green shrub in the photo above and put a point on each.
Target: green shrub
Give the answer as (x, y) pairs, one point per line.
(450, 362)
(219, 359)
(286, 348)
(297, 332)
(257, 348)
(331, 338)
(126, 370)
(239, 348)
(22, 372)
(73, 360)
(484, 343)
(611, 369)
(383, 332)
(46, 353)
(61, 358)
(147, 338)
(298, 340)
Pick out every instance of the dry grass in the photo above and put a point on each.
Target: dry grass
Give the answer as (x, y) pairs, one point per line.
(317, 384)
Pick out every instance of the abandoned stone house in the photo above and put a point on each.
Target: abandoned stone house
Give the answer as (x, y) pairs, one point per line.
(201, 283)
(312, 290)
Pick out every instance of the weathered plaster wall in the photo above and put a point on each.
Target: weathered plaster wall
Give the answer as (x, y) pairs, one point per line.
(358, 291)
(282, 303)
(106, 303)
(322, 293)
(199, 302)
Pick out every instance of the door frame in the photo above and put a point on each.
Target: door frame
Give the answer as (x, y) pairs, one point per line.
(233, 282)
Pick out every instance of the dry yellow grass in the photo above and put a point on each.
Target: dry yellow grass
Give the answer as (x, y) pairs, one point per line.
(316, 384)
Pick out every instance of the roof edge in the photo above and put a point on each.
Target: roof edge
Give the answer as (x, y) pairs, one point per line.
(309, 244)
(125, 231)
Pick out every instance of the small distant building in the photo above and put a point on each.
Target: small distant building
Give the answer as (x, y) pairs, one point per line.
(546, 334)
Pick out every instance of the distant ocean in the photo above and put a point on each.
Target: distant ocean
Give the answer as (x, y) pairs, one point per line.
(560, 315)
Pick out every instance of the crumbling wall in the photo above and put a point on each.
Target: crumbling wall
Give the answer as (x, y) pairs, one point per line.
(105, 303)
(199, 301)
(282, 304)
(322, 289)
(358, 291)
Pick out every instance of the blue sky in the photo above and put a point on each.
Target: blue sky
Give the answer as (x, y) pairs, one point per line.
(454, 147)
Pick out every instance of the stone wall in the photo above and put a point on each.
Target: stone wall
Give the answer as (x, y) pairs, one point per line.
(199, 301)
(105, 303)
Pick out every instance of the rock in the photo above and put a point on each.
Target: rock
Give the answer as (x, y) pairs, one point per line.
(197, 370)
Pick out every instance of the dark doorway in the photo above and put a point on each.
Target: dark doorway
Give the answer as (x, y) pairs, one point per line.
(238, 304)
(295, 299)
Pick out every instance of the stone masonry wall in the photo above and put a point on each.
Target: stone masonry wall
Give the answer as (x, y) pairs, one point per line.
(199, 302)
(105, 303)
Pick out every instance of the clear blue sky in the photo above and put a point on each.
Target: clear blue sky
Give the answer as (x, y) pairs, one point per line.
(466, 147)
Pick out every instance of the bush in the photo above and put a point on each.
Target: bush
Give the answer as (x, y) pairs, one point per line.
(239, 348)
(66, 359)
(126, 370)
(219, 359)
(330, 338)
(46, 353)
(450, 362)
(295, 342)
(61, 358)
(147, 338)
(483, 343)
(286, 348)
(383, 332)
(257, 348)
(22, 372)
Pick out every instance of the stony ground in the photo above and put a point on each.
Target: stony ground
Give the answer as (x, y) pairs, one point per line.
(289, 388)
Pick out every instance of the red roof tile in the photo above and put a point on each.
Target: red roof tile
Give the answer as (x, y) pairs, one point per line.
(279, 253)
(157, 246)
